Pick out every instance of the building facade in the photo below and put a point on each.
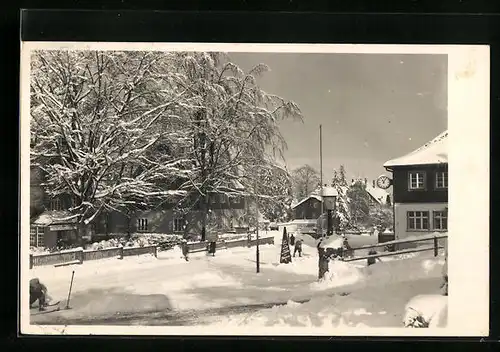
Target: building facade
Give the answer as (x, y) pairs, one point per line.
(308, 208)
(52, 224)
(420, 189)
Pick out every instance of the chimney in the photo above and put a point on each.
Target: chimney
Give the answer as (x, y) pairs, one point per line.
(373, 183)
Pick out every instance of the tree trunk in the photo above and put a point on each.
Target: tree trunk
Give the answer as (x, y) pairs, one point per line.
(81, 231)
(204, 218)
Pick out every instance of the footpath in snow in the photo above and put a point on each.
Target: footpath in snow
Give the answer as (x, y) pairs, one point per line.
(216, 290)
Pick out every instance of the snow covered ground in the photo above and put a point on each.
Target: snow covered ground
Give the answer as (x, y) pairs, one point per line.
(222, 290)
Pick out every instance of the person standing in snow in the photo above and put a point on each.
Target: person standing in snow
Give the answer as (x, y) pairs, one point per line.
(292, 240)
(371, 261)
(298, 247)
(38, 291)
(185, 249)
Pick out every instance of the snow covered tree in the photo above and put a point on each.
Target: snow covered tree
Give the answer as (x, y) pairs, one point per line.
(233, 128)
(359, 202)
(343, 210)
(275, 187)
(305, 180)
(285, 255)
(103, 127)
(381, 216)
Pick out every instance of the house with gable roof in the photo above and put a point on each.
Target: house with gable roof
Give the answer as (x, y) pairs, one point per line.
(420, 189)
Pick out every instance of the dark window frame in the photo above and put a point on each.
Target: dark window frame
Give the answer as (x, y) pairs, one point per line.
(411, 218)
(142, 225)
(441, 215)
(444, 173)
(424, 180)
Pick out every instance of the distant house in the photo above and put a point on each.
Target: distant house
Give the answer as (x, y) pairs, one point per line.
(420, 189)
(308, 208)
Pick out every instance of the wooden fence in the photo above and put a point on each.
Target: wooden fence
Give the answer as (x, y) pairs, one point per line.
(202, 246)
(436, 246)
(80, 255)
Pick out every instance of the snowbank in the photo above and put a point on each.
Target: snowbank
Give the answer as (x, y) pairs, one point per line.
(326, 312)
(381, 273)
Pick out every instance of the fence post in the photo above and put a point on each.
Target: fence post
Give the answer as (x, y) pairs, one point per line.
(81, 256)
(31, 260)
(155, 251)
(120, 255)
(436, 247)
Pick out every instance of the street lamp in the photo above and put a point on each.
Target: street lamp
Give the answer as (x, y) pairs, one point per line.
(329, 200)
(329, 196)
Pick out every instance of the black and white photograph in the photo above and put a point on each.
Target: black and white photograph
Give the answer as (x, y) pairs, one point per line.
(263, 190)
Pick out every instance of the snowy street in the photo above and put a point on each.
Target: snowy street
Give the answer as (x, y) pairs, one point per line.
(225, 289)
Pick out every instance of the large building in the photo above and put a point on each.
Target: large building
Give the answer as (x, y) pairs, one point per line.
(420, 189)
(53, 224)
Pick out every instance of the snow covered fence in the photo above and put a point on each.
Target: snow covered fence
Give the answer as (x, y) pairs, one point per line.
(436, 239)
(81, 255)
(200, 246)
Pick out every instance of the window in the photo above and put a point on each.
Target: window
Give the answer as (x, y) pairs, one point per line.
(440, 220)
(418, 220)
(55, 204)
(222, 198)
(142, 224)
(236, 200)
(416, 180)
(178, 224)
(442, 179)
(36, 237)
(33, 238)
(213, 198)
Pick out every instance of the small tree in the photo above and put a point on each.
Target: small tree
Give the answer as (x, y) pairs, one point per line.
(285, 255)
(343, 211)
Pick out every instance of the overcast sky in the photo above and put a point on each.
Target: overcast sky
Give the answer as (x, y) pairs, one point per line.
(372, 107)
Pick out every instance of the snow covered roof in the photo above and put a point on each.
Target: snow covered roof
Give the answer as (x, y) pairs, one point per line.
(379, 194)
(315, 196)
(433, 152)
(54, 217)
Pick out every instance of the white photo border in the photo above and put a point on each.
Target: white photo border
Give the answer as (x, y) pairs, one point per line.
(468, 126)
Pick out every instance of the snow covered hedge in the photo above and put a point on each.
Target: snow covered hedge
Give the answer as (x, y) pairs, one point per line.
(163, 241)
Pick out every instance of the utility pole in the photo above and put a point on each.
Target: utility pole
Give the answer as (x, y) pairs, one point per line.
(321, 173)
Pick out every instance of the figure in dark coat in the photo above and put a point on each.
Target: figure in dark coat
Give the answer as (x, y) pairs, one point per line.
(185, 250)
(38, 291)
(298, 247)
(292, 240)
(371, 261)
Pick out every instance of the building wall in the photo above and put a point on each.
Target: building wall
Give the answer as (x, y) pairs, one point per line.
(310, 209)
(402, 194)
(400, 217)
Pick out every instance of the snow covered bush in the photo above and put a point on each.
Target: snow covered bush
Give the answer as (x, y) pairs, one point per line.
(426, 311)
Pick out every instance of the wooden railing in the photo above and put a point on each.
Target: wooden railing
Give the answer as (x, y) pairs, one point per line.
(78, 256)
(434, 247)
(81, 255)
(202, 246)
